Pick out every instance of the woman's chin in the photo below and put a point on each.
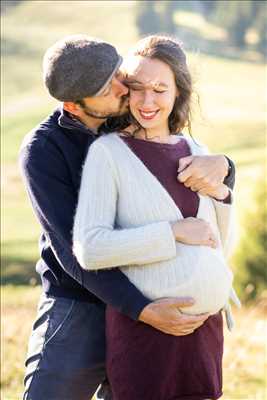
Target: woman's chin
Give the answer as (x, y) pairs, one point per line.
(147, 124)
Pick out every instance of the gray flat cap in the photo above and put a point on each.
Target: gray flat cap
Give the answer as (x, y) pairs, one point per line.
(79, 66)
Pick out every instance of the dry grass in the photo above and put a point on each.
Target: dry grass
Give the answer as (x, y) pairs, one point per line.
(18, 312)
(245, 355)
(245, 348)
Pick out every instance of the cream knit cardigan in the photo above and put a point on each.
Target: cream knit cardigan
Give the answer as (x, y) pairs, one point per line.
(123, 220)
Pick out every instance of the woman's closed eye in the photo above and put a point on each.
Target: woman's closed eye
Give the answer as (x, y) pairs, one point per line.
(159, 91)
(138, 88)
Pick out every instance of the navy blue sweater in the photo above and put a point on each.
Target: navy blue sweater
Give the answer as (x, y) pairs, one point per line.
(51, 159)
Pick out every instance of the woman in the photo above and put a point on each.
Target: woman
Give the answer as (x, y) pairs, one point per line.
(129, 182)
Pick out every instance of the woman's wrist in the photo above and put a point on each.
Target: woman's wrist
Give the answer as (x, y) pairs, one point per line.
(176, 232)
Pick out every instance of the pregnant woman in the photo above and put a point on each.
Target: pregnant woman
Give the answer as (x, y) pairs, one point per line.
(130, 182)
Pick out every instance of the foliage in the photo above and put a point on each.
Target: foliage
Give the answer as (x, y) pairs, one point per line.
(166, 11)
(156, 16)
(251, 256)
(236, 17)
(260, 23)
(6, 4)
(147, 19)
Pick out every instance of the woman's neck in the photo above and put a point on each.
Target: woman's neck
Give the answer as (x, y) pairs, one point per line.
(154, 135)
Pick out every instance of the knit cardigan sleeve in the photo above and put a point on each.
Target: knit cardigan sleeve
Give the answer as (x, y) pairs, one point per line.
(224, 211)
(96, 243)
(226, 224)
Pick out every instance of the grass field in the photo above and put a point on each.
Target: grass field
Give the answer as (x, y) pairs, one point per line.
(244, 360)
(233, 122)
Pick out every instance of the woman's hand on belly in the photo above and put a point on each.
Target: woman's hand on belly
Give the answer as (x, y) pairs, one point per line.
(194, 231)
(165, 315)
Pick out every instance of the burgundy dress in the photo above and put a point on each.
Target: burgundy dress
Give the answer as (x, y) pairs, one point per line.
(142, 362)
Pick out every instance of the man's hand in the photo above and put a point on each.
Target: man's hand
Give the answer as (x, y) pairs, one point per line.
(203, 174)
(221, 192)
(165, 315)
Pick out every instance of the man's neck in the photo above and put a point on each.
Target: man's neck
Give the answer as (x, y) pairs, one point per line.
(91, 123)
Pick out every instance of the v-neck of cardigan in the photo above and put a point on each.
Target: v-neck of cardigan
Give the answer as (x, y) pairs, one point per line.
(153, 177)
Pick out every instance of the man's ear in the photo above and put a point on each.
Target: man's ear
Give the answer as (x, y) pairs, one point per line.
(71, 107)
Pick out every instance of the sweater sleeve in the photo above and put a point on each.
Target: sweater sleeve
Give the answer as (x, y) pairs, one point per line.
(227, 225)
(224, 209)
(96, 243)
(200, 149)
(54, 201)
(229, 180)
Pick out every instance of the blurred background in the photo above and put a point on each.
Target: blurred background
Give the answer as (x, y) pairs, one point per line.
(226, 43)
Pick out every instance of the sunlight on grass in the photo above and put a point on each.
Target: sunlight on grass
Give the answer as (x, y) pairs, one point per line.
(197, 22)
(244, 357)
(245, 368)
(18, 312)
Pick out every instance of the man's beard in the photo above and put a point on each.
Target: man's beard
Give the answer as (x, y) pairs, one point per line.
(102, 115)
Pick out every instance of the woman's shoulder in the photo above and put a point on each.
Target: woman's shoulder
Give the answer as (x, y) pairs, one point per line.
(106, 142)
(107, 139)
(107, 146)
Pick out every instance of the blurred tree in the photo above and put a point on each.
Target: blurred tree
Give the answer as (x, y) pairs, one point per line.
(147, 18)
(7, 4)
(236, 17)
(156, 16)
(260, 25)
(207, 7)
(166, 11)
(251, 256)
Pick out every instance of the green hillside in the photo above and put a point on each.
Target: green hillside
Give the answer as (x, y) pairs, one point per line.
(231, 94)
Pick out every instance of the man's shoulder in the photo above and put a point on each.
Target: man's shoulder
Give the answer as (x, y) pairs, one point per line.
(44, 132)
(42, 144)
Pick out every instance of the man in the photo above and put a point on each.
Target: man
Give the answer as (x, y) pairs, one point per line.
(66, 356)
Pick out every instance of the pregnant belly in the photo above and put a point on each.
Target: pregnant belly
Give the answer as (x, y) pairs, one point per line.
(197, 271)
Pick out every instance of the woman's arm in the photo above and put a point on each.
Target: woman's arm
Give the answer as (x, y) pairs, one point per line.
(96, 243)
(226, 224)
(222, 202)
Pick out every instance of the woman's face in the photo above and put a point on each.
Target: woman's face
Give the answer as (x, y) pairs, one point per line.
(152, 92)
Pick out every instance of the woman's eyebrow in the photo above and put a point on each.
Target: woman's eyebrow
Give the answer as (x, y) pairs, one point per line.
(132, 81)
(160, 84)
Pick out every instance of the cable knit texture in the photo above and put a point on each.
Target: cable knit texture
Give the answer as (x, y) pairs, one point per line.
(123, 219)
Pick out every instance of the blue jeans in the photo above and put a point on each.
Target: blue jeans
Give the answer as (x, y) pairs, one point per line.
(66, 354)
